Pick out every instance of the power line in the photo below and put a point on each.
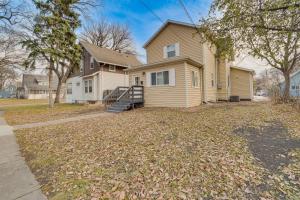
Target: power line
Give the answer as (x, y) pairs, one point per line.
(187, 12)
(189, 16)
(146, 6)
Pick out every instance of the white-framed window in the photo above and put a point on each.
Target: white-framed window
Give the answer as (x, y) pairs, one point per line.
(92, 63)
(69, 88)
(160, 78)
(295, 87)
(195, 79)
(81, 65)
(171, 50)
(212, 80)
(112, 68)
(88, 86)
(78, 84)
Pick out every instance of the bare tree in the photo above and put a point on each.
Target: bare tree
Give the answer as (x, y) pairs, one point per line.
(10, 57)
(112, 36)
(11, 13)
(97, 33)
(121, 38)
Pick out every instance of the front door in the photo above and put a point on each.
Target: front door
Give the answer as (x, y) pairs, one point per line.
(136, 80)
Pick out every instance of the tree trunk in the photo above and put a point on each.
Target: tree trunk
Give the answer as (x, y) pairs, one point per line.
(57, 97)
(286, 92)
(50, 88)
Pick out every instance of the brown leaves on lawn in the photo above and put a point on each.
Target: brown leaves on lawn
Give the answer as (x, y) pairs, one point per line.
(41, 113)
(148, 154)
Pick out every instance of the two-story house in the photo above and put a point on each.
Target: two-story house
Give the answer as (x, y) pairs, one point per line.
(183, 72)
(101, 71)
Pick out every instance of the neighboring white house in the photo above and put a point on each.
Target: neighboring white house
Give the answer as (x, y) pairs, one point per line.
(36, 86)
(101, 71)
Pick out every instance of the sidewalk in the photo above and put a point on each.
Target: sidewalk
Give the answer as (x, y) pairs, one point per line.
(16, 180)
(62, 121)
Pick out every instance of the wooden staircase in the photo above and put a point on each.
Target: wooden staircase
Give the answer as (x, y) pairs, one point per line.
(124, 98)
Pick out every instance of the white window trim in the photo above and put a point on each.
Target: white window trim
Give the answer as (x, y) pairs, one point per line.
(81, 65)
(177, 50)
(113, 69)
(88, 86)
(197, 74)
(92, 61)
(161, 85)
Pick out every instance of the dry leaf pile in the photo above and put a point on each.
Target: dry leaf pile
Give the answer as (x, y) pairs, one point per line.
(41, 113)
(152, 154)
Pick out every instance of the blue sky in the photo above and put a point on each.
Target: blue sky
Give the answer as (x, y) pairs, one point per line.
(141, 21)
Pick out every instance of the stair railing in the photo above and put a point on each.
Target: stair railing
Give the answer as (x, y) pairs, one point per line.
(114, 95)
(134, 94)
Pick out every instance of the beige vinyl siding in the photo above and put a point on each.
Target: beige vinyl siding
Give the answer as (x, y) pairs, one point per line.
(194, 93)
(223, 73)
(111, 81)
(241, 83)
(164, 96)
(189, 43)
(209, 71)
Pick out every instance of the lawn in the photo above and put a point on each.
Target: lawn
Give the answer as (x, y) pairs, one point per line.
(164, 154)
(16, 102)
(18, 115)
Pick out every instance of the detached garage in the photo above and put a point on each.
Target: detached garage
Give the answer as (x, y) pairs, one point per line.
(241, 83)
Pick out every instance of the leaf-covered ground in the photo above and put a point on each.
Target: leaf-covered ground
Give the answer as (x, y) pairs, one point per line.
(161, 154)
(17, 115)
(14, 102)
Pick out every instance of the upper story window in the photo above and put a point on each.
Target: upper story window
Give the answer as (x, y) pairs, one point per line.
(171, 50)
(195, 79)
(112, 68)
(81, 65)
(92, 63)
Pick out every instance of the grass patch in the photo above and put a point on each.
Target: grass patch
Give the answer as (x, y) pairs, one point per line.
(155, 154)
(15, 102)
(39, 113)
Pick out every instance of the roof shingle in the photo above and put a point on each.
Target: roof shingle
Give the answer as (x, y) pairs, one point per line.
(110, 57)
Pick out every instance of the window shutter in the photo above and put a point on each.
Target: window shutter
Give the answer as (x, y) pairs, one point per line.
(172, 80)
(165, 52)
(177, 50)
(148, 79)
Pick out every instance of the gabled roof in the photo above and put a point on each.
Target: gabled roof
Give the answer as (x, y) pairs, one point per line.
(243, 69)
(164, 26)
(31, 82)
(109, 56)
(167, 62)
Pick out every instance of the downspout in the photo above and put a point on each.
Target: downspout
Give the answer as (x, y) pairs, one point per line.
(101, 79)
(203, 75)
(202, 85)
(186, 86)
